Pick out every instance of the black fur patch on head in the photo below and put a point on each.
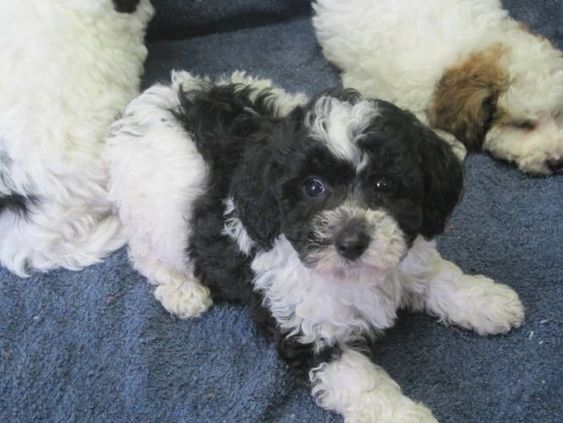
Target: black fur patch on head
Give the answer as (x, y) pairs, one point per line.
(125, 6)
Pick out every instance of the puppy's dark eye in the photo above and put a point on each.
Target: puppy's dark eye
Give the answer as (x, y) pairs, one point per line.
(314, 187)
(383, 184)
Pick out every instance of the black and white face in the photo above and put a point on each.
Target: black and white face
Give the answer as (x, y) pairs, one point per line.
(337, 213)
(356, 181)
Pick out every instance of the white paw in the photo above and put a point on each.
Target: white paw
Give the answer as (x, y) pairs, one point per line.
(537, 152)
(541, 163)
(363, 392)
(389, 409)
(185, 300)
(490, 308)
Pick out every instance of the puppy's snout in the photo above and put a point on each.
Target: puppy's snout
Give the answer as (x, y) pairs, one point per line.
(352, 241)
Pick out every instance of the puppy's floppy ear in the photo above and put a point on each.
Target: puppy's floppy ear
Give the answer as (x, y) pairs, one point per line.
(254, 189)
(464, 101)
(443, 182)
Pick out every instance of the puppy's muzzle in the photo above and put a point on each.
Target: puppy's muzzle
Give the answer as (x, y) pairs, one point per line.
(353, 240)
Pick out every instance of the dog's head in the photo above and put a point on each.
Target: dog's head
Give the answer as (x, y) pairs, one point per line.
(508, 100)
(350, 182)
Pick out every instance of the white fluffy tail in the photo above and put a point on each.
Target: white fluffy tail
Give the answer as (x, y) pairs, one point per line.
(36, 242)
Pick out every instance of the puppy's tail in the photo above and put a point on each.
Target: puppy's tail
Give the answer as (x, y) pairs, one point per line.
(41, 241)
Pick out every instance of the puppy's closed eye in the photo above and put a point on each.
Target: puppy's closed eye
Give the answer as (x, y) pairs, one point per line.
(524, 124)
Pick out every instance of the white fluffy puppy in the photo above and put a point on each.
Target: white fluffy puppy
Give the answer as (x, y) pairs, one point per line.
(68, 68)
(463, 66)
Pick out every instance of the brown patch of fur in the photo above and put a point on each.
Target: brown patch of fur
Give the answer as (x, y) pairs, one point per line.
(464, 101)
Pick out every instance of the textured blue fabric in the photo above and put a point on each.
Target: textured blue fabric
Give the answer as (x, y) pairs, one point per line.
(95, 346)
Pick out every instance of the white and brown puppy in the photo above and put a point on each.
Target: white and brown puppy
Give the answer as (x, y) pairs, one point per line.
(462, 66)
(68, 69)
(317, 215)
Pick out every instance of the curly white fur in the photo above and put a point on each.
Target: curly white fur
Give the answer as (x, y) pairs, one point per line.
(398, 50)
(68, 69)
(335, 123)
(325, 308)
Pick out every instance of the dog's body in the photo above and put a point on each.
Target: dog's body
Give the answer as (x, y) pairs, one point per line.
(313, 214)
(464, 67)
(68, 68)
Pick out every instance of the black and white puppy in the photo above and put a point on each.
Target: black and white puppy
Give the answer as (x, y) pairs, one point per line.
(318, 215)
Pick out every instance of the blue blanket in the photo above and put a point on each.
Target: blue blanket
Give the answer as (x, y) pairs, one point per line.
(94, 345)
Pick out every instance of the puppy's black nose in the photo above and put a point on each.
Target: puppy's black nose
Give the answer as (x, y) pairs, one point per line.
(351, 243)
(555, 165)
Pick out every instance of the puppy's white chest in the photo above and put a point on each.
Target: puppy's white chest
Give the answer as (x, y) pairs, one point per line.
(320, 308)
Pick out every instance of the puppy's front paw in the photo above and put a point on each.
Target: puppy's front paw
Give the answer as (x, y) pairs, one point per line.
(364, 393)
(185, 300)
(399, 410)
(540, 163)
(490, 308)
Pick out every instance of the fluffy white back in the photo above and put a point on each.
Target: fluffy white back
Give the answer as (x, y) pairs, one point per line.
(68, 69)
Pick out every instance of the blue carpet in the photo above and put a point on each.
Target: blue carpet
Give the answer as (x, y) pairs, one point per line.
(94, 346)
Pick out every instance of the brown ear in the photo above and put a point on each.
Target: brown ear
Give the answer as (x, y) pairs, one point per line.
(464, 100)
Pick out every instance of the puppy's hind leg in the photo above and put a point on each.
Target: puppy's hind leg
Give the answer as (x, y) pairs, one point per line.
(156, 176)
(441, 288)
(179, 292)
(158, 233)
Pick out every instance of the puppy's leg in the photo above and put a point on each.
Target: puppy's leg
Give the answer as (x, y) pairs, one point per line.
(52, 235)
(343, 380)
(538, 151)
(441, 288)
(362, 392)
(156, 176)
(155, 206)
(178, 290)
